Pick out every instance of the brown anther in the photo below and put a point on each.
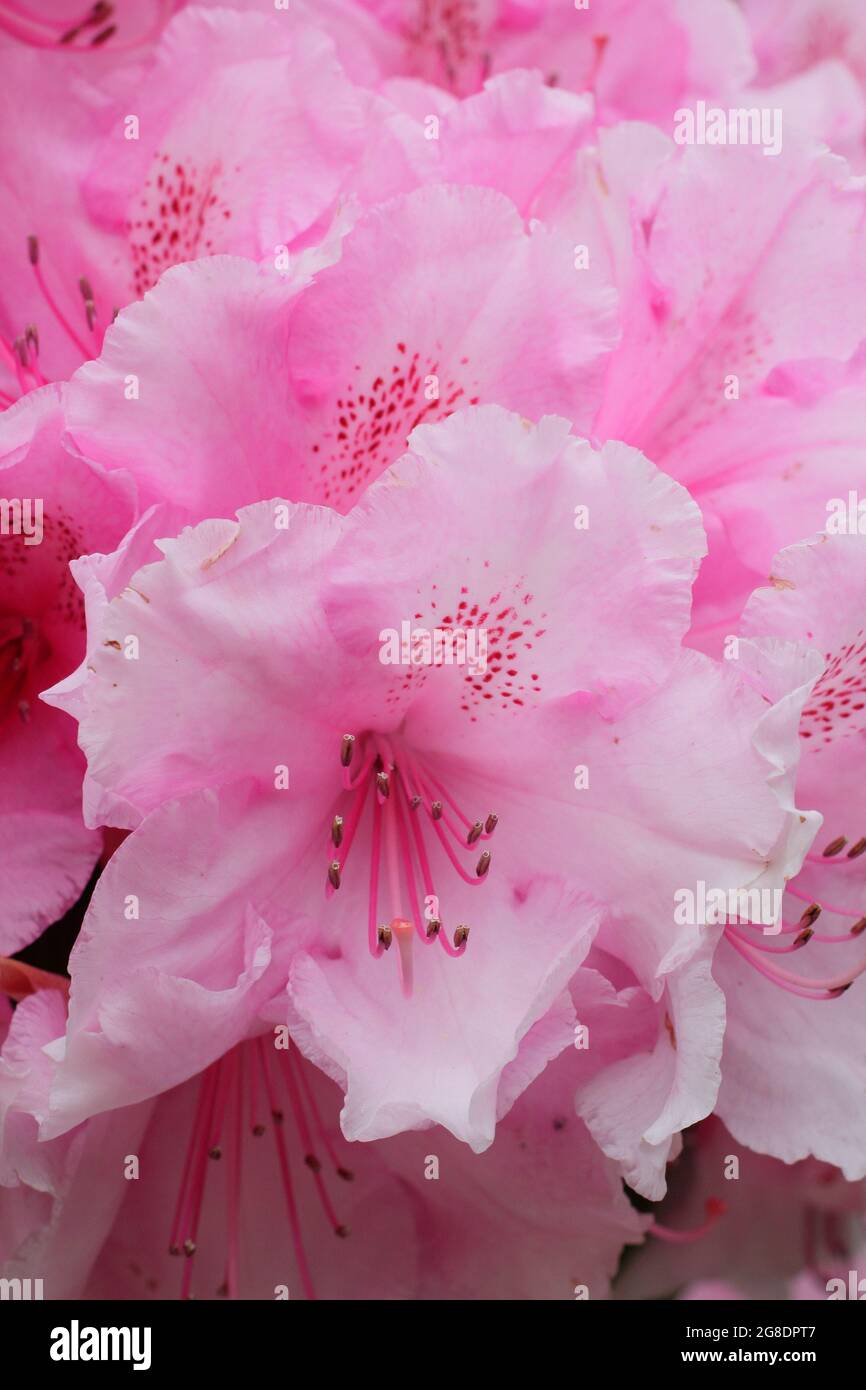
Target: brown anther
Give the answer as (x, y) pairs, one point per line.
(346, 1174)
(189, 1247)
(856, 850)
(347, 748)
(337, 831)
(312, 1163)
(86, 288)
(436, 810)
(810, 916)
(483, 864)
(103, 36)
(475, 833)
(341, 1231)
(434, 926)
(70, 34)
(858, 927)
(31, 336)
(414, 803)
(277, 1117)
(20, 346)
(461, 936)
(384, 935)
(835, 846)
(491, 823)
(33, 249)
(101, 10)
(215, 1152)
(258, 1130)
(334, 873)
(383, 784)
(803, 937)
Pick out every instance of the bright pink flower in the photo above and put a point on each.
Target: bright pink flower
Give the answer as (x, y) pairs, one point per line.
(439, 300)
(53, 506)
(642, 61)
(259, 649)
(739, 370)
(539, 1212)
(793, 1078)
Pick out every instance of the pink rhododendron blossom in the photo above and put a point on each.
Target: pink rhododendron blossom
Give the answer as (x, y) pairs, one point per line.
(599, 47)
(815, 600)
(741, 281)
(270, 1119)
(438, 300)
(432, 577)
(423, 752)
(54, 506)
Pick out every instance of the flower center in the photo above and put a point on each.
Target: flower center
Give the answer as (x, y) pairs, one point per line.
(234, 1096)
(408, 798)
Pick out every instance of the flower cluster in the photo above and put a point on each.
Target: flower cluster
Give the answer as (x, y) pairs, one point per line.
(432, 436)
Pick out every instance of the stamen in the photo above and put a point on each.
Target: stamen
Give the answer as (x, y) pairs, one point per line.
(310, 1158)
(804, 986)
(232, 1279)
(219, 1110)
(714, 1209)
(345, 1173)
(33, 255)
(282, 1158)
(378, 938)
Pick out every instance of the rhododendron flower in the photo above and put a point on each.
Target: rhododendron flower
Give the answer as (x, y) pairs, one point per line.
(777, 1003)
(515, 1224)
(54, 506)
(735, 373)
(439, 300)
(600, 47)
(408, 777)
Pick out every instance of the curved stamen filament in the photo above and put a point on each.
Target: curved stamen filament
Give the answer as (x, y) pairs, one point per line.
(731, 930)
(801, 985)
(714, 1209)
(446, 796)
(86, 350)
(288, 1189)
(826, 907)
